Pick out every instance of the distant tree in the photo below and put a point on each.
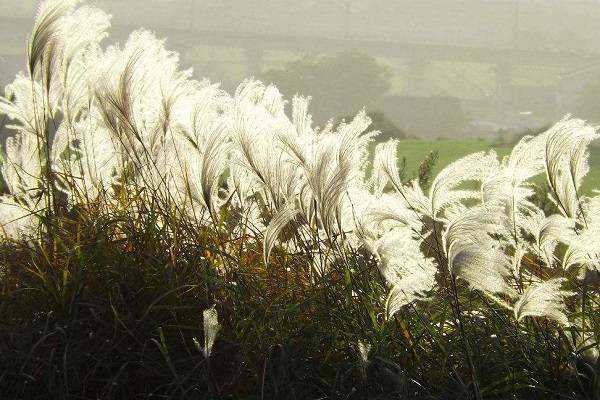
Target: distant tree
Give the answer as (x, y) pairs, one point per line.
(220, 64)
(379, 122)
(340, 85)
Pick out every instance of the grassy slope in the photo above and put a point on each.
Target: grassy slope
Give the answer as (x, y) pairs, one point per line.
(414, 150)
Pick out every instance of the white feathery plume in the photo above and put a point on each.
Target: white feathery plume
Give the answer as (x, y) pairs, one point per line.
(363, 356)
(198, 114)
(328, 181)
(591, 209)
(385, 166)
(526, 159)
(46, 30)
(583, 245)
(211, 329)
(389, 211)
(272, 101)
(114, 100)
(467, 227)
(93, 162)
(361, 231)
(445, 188)
(147, 126)
(472, 253)
(334, 165)
(546, 231)
(543, 299)
(60, 149)
(77, 50)
(415, 198)
(145, 68)
(254, 134)
(485, 268)
(517, 258)
(211, 165)
(408, 272)
(241, 182)
(354, 144)
(21, 165)
(80, 30)
(249, 91)
(297, 146)
(23, 104)
(500, 189)
(18, 219)
(301, 119)
(279, 221)
(567, 162)
(363, 351)
(583, 249)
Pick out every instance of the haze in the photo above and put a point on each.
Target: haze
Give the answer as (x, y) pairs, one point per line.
(452, 68)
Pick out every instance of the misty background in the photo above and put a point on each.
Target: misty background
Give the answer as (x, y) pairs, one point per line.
(428, 68)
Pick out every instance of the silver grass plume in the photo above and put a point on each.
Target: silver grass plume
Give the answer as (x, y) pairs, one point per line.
(390, 211)
(583, 246)
(19, 220)
(544, 299)
(526, 159)
(472, 253)
(279, 221)
(82, 31)
(21, 167)
(115, 106)
(211, 329)
(467, 227)
(45, 32)
(301, 119)
(567, 162)
(583, 249)
(214, 155)
(257, 147)
(409, 273)
(445, 189)
(363, 357)
(94, 165)
(328, 182)
(334, 167)
(385, 166)
(22, 104)
(546, 232)
(485, 268)
(506, 183)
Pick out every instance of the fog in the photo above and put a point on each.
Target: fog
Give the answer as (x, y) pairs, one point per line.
(430, 68)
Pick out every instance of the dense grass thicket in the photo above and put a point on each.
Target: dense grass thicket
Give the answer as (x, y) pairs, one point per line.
(164, 239)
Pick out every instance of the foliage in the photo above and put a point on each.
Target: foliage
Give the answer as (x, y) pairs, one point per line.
(339, 84)
(386, 128)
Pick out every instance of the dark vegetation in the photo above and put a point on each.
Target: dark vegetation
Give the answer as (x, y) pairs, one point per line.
(111, 306)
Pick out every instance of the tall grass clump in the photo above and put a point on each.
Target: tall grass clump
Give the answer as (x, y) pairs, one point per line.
(162, 238)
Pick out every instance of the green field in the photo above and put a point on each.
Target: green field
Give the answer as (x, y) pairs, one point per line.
(414, 150)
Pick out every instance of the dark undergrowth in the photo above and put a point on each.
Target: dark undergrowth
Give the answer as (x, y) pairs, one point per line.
(110, 308)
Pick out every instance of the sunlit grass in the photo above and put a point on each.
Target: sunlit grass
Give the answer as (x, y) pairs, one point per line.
(414, 150)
